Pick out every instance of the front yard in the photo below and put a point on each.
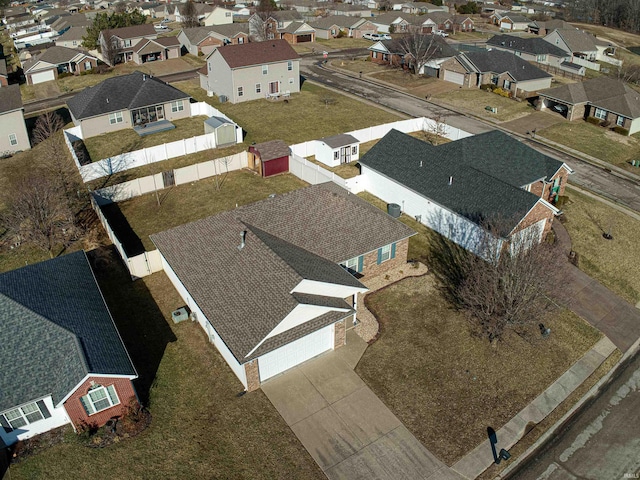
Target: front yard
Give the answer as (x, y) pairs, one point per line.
(474, 101)
(615, 263)
(446, 384)
(200, 427)
(596, 141)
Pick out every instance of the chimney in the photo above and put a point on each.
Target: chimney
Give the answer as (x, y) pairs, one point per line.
(243, 237)
(450, 181)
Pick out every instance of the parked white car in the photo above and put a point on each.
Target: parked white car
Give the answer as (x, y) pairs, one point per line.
(442, 33)
(376, 36)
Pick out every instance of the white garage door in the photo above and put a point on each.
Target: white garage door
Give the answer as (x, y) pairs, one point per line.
(43, 77)
(454, 77)
(295, 352)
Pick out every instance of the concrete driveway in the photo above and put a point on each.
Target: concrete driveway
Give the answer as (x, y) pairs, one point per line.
(345, 427)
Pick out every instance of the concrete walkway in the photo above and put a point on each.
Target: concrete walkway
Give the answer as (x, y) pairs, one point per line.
(345, 427)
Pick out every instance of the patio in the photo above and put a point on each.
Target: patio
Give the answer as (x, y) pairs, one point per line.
(154, 127)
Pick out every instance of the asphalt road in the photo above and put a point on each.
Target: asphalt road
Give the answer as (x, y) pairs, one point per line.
(601, 443)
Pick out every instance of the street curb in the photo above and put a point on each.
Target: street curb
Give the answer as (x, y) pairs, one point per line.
(579, 404)
(611, 203)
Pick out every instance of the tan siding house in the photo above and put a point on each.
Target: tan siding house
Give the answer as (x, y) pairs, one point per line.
(13, 132)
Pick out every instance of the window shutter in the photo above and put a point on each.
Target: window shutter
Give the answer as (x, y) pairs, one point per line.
(393, 250)
(43, 409)
(111, 390)
(5, 424)
(379, 256)
(87, 405)
(360, 261)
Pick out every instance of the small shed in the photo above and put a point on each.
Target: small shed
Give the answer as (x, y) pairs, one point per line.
(333, 151)
(224, 130)
(269, 158)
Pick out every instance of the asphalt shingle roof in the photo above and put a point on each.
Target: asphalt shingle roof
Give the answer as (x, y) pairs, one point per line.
(487, 172)
(245, 293)
(55, 329)
(272, 149)
(122, 92)
(133, 31)
(577, 40)
(10, 98)
(500, 62)
(74, 33)
(57, 55)
(257, 53)
(343, 21)
(535, 45)
(341, 140)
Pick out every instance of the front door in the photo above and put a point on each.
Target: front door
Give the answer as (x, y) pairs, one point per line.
(345, 154)
(159, 112)
(274, 87)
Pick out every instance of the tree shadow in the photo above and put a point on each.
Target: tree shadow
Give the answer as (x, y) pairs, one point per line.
(122, 228)
(141, 324)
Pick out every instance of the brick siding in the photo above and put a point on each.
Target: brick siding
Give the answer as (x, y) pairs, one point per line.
(340, 335)
(252, 372)
(536, 214)
(77, 413)
(370, 267)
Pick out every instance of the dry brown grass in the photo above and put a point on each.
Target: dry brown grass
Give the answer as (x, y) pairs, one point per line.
(455, 384)
(474, 101)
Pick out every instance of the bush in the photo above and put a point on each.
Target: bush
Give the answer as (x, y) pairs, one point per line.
(487, 86)
(593, 120)
(562, 201)
(621, 130)
(341, 34)
(605, 123)
(65, 75)
(502, 92)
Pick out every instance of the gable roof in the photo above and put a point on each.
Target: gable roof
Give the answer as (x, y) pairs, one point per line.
(286, 15)
(337, 141)
(57, 55)
(498, 61)
(296, 27)
(10, 98)
(198, 34)
(272, 149)
(550, 24)
(535, 45)
(577, 40)
(122, 92)
(487, 173)
(133, 31)
(257, 53)
(516, 18)
(56, 329)
(300, 235)
(74, 33)
(344, 21)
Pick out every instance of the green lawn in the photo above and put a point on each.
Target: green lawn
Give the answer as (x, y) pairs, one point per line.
(200, 427)
(112, 144)
(457, 384)
(595, 141)
(345, 43)
(615, 262)
(189, 202)
(475, 101)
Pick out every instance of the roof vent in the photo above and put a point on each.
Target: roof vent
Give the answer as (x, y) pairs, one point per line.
(450, 181)
(420, 163)
(107, 100)
(243, 238)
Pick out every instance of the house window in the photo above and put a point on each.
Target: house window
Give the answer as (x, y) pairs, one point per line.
(354, 265)
(270, 36)
(258, 88)
(289, 65)
(127, 43)
(265, 69)
(291, 81)
(240, 40)
(336, 155)
(507, 84)
(518, 54)
(374, 54)
(177, 106)
(115, 117)
(541, 58)
(13, 139)
(384, 254)
(600, 113)
(240, 91)
(87, 65)
(21, 416)
(620, 121)
(99, 398)
(74, 43)
(495, 79)
(354, 150)
(227, 14)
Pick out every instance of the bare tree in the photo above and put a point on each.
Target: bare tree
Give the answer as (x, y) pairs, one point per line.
(46, 125)
(189, 15)
(260, 27)
(435, 128)
(419, 49)
(110, 48)
(38, 214)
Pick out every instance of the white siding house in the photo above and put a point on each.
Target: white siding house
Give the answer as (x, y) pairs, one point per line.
(337, 149)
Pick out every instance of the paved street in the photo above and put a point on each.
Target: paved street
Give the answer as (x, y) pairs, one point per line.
(602, 443)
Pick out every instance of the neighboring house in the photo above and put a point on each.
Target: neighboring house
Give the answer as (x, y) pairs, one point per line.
(580, 44)
(352, 27)
(510, 21)
(203, 40)
(392, 52)
(56, 60)
(611, 101)
(535, 50)
(349, 9)
(126, 101)
(150, 50)
(62, 358)
(72, 38)
(13, 131)
(252, 71)
(391, 22)
(337, 149)
(4, 76)
(125, 40)
(421, 8)
(310, 240)
(62, 24)
(271, 27)
(297, 32)
(174, 12)
(503, 69)
(218, 16)
(543, 28)
(460, 188)
(269, 158)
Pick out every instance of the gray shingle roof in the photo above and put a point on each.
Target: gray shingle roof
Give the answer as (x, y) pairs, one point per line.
(123, 92)
(487, 171)
(57, 55)
(55, 329)
(10, 98)
(272, 149)
(516, 18)
(344, 21)
(133, 31)
(497, 61)
(74, 33)
(245, 293)
(341, 140)
(577, 40)
(196, 35)
(535, 46)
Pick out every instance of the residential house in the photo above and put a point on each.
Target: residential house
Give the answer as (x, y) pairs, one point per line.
(203, 40)
(241, 12)
(392, 52)
(150, 9)
(349, 9)
(269, 158)
(337, 149)
(62, 24)
(461, 188)
(352, 27)
(62, 358)
(391, 22)
(218, 16)
(154, 50)
(585, 48)
(510, 21)
(394, 5)
(544, 28)
(72, 38)
(4, 76)
(535, 50)
(125, 40)
(420, 8)
(609, 100)
(310, 240)
(17, 20)
(503, 69)
(270, 28)
(56, 60)
(251, 71)
(297, 32)
(458, 23)
(14, 136)
(307, 6)
(174, 12)
(127, 101)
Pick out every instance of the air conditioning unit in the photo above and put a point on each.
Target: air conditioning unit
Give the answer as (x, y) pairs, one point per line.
(180, 315)
(194, 317)
(223, 98)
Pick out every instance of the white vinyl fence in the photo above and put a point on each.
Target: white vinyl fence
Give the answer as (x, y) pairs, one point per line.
(158, 153)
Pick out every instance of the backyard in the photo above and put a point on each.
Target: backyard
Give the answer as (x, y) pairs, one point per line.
(200, 427)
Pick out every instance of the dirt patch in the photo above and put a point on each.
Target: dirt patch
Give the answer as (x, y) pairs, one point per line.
(616, 137)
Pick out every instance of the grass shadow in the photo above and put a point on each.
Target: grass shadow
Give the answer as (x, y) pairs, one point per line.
(143, 328)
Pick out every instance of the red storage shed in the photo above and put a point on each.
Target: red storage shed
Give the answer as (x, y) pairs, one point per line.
(269, 158)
